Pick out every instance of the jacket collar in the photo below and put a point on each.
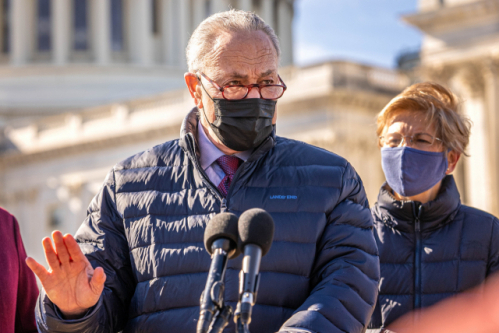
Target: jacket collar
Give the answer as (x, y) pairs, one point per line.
(188, 137)
(189, 141)
(401, 215)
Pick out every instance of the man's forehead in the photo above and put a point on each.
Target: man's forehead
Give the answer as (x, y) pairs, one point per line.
(238, 53)
(256, 42)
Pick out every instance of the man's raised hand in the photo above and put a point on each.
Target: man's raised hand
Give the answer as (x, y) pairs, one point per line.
(71, 283)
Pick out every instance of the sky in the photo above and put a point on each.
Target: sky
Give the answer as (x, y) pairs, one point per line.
(366, 31)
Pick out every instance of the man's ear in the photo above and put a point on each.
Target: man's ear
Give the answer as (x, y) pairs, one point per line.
(192, 82)
(452, 158)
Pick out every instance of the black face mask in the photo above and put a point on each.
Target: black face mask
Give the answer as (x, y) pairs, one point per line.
(242, 124)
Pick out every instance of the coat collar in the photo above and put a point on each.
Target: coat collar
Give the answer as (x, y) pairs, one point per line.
(401, 215)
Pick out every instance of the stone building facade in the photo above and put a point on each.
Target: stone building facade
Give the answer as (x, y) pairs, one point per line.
(143, 32)
(461, 51)
(60, 55)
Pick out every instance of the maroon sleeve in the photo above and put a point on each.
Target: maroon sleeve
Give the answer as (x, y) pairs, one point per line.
(27, 290)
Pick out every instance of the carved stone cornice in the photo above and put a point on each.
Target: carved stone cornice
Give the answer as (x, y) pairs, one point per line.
(369, 101)
(439, 74)
(491, 65)
(453, 15)
(470, 74)
(14, 159)
(472, 78)
(360, 99)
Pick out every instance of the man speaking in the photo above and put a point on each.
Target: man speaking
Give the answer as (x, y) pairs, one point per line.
(138, 262)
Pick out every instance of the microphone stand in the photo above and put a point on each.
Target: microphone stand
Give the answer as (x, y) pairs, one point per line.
(241, 318)
(223, 312)
(221, 319)
(240, 327)
(214, 314)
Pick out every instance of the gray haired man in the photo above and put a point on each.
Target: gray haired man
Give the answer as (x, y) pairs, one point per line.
(138, 264)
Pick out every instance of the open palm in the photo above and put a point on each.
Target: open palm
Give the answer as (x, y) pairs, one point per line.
(71, 283)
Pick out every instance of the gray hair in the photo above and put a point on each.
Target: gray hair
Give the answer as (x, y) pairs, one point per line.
(231, 21)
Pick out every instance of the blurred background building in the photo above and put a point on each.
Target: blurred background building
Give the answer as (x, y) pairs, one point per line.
(87, 83)
(461, 51)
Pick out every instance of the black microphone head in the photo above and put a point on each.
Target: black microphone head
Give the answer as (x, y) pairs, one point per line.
(223, 225)
(256, 226)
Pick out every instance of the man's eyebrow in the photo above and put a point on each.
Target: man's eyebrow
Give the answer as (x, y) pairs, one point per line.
(238, 75)
(243, 76)
(267, 73)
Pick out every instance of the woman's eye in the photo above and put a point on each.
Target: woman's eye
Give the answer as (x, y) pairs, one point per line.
(267, 82)
(233, 83)
(394, 141)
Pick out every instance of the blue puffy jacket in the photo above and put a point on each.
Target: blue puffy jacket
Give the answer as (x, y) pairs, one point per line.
(430, 252)
(145, 228)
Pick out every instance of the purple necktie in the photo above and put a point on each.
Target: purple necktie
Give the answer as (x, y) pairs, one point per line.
(229, 165)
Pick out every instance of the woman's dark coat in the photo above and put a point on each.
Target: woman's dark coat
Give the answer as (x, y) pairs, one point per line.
(430, 252)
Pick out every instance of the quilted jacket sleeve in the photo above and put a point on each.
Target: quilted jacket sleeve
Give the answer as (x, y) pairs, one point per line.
(345, 275)
(102, 239)
(493, 266)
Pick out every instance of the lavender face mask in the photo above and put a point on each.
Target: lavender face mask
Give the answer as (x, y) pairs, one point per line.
(411, 171)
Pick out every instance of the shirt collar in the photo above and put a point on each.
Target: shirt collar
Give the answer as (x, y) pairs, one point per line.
(209, 153)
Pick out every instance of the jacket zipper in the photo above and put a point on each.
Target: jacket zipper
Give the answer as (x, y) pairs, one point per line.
(417, 255)
(206, 179)
(236, 175)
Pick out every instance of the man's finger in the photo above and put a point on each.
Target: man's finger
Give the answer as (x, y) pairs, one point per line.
(37, 268)
(73, 248)
(60, 247)
(50, 254)
(97, 281)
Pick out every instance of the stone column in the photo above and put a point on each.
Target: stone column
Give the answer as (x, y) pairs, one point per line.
(168, 35)
(491, 83)
(246, 5)
(219, 6)
(61, 30)
(268, 12)
(140, 31)
(2, 19)
(30, 24)
(198, 13)
(100, 19)
(468, 84)
(19, 49)
(284, 30)
(184, 30)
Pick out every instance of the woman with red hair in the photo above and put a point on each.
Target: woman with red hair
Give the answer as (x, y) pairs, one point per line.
(431, 246)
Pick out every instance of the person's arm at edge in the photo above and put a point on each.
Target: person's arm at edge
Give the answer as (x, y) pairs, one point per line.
(475, 311)
(27, 289)
(346, 271)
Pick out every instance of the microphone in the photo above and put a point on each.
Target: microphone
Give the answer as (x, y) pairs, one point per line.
(256, 232)
(220, 240)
